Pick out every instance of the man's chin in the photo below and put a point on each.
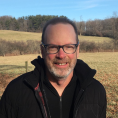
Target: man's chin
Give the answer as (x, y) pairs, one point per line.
(60, 74)
(60, 77)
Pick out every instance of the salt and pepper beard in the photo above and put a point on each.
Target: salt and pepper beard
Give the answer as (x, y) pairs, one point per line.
(60, 73)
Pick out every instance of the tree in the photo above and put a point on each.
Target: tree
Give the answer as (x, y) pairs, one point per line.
(115, 26)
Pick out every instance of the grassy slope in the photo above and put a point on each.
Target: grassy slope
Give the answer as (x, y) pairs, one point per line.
(19, 36)
(23, 36)
(95, 39)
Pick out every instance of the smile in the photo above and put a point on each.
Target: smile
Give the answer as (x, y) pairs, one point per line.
(62, 64)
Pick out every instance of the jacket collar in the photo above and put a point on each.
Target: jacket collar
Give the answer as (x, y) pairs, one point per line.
(83, 72)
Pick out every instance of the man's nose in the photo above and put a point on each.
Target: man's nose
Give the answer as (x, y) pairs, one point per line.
(61, 54)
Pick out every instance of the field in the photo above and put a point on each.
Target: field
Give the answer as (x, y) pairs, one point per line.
(94, 39)
(19, 36)
(106, 65)
(24, 36)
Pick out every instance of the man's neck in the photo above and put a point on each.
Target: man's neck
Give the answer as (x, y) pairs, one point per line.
(60, 84)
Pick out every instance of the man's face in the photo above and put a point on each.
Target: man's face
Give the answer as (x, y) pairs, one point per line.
(61, 64)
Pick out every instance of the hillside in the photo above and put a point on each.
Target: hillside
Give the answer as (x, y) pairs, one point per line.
(23, 36)
(19, 36)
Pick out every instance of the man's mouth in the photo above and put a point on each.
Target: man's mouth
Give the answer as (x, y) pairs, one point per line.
(61, 64)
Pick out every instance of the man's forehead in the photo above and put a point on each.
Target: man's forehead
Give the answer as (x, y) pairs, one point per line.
(50, 27)
(53, 25)
(59, 28)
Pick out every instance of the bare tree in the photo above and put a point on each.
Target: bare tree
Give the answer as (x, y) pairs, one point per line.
(115, 25)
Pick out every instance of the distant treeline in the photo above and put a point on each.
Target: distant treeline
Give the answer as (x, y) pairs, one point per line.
(102, 28)
(27, 23)
(106, 28)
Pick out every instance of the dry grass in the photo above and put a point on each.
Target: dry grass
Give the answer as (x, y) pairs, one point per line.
(106, 65)
(24, 36)
(19, 36)
(16, 64)
(94, 39)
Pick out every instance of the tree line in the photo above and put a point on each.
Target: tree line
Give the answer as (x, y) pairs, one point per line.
(27, 23)
(102, 28)
(106, 28)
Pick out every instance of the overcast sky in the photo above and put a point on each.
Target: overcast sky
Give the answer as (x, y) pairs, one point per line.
(74, 9)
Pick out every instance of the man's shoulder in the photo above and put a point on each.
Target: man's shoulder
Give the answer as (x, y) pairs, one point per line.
(98, 85)
(16, 84)
(16, 89)
(20, 79)
(96, 89)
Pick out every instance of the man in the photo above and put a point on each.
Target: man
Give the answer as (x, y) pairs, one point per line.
(61, 86)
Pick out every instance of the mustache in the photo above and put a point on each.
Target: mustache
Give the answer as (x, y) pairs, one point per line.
(61, 61)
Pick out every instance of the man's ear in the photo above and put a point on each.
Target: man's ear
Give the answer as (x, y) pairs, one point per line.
(78, 50)
(42, 51)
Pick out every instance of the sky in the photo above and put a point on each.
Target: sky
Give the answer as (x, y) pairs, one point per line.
(77, 10)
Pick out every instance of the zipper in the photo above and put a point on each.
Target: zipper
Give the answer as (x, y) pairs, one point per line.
(60, 107)
(77, 102)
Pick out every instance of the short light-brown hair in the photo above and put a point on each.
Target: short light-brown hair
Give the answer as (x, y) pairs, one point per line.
(59, 20)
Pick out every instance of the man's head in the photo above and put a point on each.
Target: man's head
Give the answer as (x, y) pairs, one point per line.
(60, 47)
(56, 21)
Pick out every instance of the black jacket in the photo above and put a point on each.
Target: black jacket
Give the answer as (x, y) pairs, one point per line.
(24, 97)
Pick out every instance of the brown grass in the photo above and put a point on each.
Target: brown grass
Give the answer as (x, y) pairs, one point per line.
(19, 36)
(16, 64)
(95, 39)
(24, 36)
(106, 65)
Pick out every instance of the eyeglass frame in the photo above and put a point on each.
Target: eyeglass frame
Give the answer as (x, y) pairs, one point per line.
(62, 46)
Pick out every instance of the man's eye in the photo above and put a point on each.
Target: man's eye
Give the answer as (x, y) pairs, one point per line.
(70, 46)
(52, 47)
